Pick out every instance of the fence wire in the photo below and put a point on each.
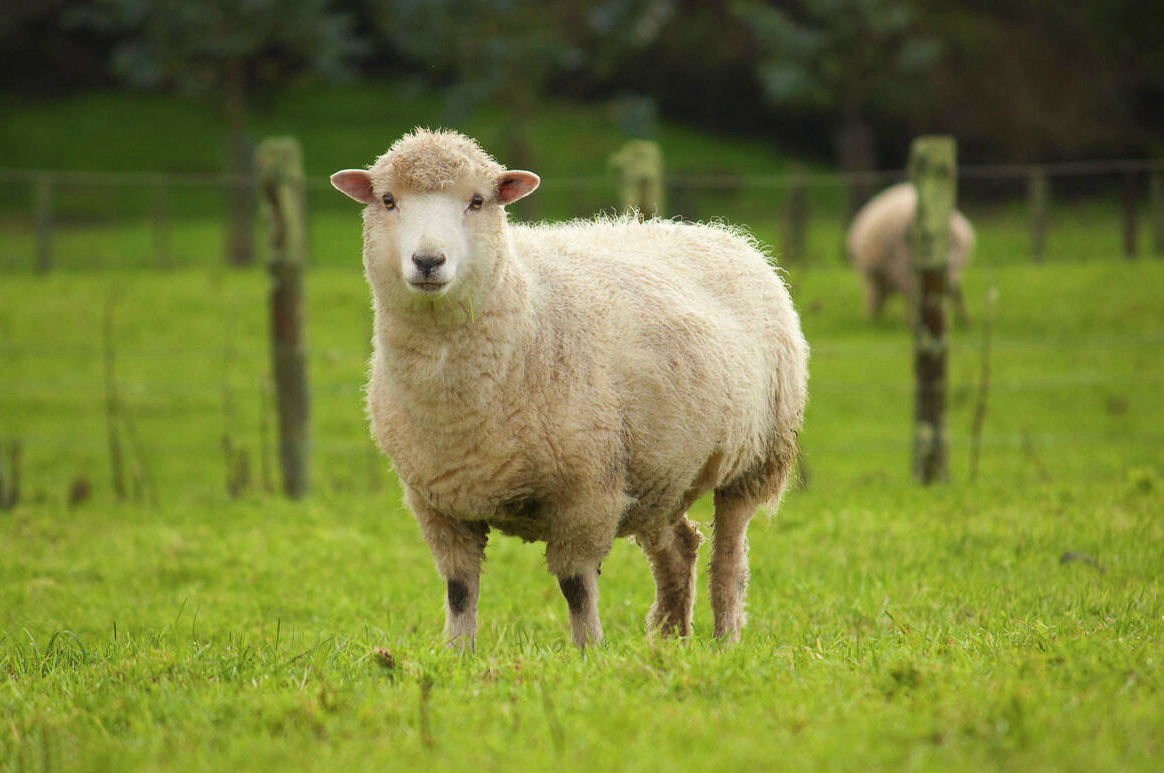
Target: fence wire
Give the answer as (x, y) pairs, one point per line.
(96, 220)
(86, 220)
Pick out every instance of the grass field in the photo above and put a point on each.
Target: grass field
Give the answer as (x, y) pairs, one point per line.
(890, 626)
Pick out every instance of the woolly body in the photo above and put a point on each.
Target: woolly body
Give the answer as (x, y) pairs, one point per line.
(879, 246)
(584, 381)
(660, 357)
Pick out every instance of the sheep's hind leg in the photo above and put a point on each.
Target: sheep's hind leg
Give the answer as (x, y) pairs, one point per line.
(458, 548)
(875, 293)
(729, 563)
(958, 301)
(672, 552)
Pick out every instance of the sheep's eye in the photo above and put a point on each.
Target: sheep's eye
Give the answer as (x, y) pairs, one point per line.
(389, 202)
(476, 201)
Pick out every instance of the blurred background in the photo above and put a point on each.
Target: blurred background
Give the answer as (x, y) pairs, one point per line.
(133, 318)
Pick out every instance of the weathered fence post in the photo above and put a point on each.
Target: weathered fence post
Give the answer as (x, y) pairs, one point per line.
(160, 211)
(1037, 195)
(113, 407)
(1130, 201)
(795, 217)
(933, 171)
(1156, 208)
(639, 166)
(281, 187)
(43, 217)
(10, 488)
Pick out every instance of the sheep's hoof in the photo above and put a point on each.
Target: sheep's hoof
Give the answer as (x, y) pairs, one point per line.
(465, 645)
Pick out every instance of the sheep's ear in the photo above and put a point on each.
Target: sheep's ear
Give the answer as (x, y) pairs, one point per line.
(515, 184)
(355, 183)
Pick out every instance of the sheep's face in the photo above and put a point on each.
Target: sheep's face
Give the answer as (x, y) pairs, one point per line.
(428, 244)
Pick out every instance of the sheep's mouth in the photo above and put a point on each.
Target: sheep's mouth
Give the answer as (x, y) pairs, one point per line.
(428, 287)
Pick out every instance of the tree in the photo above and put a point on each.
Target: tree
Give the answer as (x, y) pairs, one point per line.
(232, 53)
(851, 59)
(515, 52)
(502, 50)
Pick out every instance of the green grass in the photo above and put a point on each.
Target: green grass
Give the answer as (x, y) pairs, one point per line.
(890, 626)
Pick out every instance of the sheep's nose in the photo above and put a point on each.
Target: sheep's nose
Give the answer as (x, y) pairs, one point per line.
(426, 262)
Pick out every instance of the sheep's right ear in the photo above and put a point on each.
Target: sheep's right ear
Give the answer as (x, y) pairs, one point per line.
(355, 183)
(515, 184)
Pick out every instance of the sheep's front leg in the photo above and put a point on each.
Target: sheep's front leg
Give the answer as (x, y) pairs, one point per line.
(579, 540)
(581, 592)
(458, 548)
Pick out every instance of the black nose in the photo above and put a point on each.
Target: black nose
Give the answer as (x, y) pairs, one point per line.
(427, 262)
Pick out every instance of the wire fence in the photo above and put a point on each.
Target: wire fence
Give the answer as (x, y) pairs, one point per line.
(199, 410)
(106, 220)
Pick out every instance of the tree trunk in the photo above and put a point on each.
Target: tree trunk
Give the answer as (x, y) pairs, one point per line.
(240, 198)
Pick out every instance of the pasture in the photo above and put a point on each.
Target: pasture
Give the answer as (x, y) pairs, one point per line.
(1011, 622)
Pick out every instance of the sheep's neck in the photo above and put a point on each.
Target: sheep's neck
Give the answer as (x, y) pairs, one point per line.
(458, 349)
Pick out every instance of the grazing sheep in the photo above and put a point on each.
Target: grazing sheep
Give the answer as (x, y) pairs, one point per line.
(879, 247)
(572, 383)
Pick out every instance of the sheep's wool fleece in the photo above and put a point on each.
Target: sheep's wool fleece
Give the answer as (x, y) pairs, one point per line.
(434, 161)
(607, 373)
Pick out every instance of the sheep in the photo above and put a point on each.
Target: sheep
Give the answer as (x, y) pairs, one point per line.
(572, 383)
(878, 244)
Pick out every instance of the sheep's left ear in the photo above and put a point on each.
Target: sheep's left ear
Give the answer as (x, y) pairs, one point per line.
(354, 183)
(515, 184)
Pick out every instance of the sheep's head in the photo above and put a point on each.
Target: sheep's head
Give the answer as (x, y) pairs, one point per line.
(435, 213)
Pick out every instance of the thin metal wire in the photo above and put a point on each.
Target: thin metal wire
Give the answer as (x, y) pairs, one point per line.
(568, 182)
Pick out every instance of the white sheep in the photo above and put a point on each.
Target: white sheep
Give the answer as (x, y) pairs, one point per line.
(878, 245)
(572, 383)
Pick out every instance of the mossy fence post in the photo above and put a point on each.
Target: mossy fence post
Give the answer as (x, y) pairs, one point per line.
(1037, 196)
(281, 188)
(42, 197)
(160, 215)
(1130, 200)
(639, 167)
(10, 486)
(933, 171)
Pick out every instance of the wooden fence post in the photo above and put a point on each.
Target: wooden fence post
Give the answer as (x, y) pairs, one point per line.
(933, 171)
(795, 226)
(43, 217)
(639, 166)
(10, 488)
(1037, 195)
(1130, 202)
(1156, 208)
(160, 211)
(281, 187)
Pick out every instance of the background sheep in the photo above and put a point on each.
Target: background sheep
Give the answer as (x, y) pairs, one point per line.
(572, 383)
(878, 244)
